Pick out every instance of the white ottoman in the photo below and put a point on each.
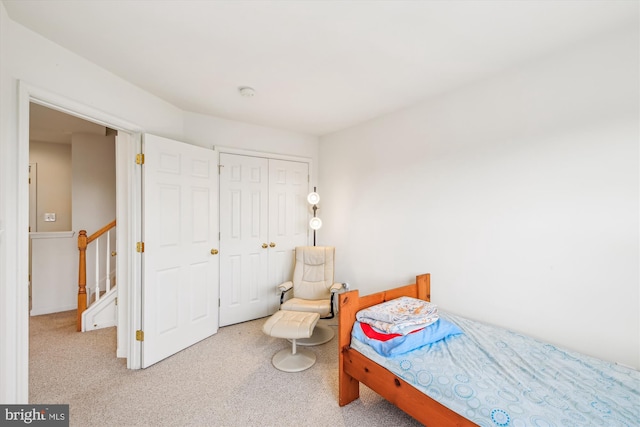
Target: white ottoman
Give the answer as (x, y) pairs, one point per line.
(292, 325)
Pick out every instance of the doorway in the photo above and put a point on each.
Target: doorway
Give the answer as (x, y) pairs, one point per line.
(56, 141)
(75, 161)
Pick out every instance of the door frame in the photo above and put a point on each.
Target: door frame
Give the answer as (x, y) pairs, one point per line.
(27, 94)
(267, 155)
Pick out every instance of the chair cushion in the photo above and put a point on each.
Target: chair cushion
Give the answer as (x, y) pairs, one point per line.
(322, 307)
(313, 273)
(290, 324)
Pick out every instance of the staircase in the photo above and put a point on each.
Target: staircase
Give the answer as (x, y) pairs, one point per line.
(96, 302)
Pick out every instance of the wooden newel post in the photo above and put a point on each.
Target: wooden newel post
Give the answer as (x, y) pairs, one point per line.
(82, 277)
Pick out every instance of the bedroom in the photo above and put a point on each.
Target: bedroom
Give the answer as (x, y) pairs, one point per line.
(517, 191)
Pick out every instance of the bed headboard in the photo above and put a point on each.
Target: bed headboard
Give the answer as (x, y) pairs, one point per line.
(349, 304)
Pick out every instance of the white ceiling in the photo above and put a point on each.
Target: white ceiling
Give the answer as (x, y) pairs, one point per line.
(317, 66)
(47, 125)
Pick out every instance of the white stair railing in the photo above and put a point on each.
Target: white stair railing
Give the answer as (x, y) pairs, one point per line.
(107, 263)
(84, 297)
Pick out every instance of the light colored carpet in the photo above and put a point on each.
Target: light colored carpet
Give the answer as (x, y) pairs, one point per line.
(225, 380)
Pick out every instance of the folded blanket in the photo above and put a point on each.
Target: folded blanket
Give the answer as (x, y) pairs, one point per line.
(390, 345)
(401, 315)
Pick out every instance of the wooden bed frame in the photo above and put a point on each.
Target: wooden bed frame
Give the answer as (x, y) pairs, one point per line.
(354, 368)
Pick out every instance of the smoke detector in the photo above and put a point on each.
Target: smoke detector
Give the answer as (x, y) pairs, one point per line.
(246, 91)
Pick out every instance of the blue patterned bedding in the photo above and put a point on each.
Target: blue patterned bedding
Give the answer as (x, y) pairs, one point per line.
(495, 377)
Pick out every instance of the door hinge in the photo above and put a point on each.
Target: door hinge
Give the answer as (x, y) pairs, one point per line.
(220, 168)
(140, 247)
(116, 300)
(139, 335)
(218, 302)
(139, 159)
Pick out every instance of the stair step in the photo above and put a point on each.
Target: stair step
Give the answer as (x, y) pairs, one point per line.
(93, 296)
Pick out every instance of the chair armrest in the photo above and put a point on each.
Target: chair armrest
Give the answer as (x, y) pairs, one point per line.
(284, 287)
(336, 287)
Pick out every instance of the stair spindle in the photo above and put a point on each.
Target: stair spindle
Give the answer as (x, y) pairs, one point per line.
(108, 262)
(97, 288)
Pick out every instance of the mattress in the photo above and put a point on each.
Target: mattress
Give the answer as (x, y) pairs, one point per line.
(496, 377)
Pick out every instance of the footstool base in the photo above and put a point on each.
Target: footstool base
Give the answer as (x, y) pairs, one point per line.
(287, 361)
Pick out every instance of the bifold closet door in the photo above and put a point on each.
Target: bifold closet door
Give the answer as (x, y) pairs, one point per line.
(262, 219)
(288, 219)
(244, 189)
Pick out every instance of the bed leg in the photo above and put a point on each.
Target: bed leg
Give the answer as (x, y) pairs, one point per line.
(349, 388)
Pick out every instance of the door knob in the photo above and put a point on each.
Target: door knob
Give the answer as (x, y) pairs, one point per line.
(264, 246)
(214, 252)
(273, 245)
(113, 253)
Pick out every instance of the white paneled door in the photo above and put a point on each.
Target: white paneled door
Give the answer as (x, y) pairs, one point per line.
(263, 214)
(288, 220)
(180, 285)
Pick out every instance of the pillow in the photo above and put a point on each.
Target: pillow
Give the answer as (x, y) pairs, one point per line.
(390, 345)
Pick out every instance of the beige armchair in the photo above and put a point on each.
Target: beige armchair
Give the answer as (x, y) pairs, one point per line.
(313, 288)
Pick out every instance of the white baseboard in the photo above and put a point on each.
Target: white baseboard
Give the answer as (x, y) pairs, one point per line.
(49, 310)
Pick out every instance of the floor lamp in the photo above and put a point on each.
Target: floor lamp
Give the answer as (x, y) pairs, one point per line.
(315, 223)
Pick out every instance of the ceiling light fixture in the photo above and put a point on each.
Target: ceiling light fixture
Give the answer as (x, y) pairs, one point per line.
(247, 91)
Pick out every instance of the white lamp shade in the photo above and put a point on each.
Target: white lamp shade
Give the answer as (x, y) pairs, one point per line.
(313, 198)
(315, 223)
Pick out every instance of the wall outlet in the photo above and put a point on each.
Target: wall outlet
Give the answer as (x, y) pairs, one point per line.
(49, 217)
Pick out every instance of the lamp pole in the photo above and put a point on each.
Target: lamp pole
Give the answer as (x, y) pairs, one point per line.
(315, 208)
(315, 223)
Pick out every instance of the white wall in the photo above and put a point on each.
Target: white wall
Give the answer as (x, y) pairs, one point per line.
(94, 181)
(55, 272)
(94, 202)
(11, 377)
(519, 194)
(210, 131)
(26, 56)
(53, 184)
(85, 169)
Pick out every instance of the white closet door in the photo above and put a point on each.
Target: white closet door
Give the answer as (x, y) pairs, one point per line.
(288, 219)
(244, 189)
(263, 215)
(180, 233)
